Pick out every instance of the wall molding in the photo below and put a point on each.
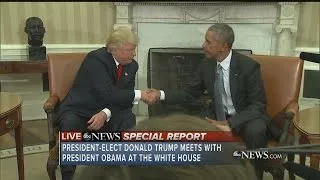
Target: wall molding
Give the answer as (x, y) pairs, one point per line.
(20, 51)
(198, 3)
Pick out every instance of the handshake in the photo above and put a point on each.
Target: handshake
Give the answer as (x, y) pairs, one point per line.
(150, 96)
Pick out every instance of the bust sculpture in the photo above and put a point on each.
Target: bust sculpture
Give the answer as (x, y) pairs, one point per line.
(35, 30)
(36, 51)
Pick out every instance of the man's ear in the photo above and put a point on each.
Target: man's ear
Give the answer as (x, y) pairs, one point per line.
(225, 46)
(25, 30)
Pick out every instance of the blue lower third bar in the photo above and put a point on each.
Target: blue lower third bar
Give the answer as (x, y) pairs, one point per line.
(147, 153)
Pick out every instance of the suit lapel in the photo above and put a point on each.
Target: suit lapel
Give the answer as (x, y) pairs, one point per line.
(233, 77)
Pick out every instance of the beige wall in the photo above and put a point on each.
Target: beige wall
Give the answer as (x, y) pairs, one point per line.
(65, 22)
(91, 22)
(308, 34)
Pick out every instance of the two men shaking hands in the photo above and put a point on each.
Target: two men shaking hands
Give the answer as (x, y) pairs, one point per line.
(152, 96)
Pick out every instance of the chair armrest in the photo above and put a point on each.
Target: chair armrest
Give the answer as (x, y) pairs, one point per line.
(291, 110)
(51, 103)
(49, 107)
(290, 113)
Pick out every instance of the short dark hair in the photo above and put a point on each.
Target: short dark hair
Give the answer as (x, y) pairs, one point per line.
(224, 31)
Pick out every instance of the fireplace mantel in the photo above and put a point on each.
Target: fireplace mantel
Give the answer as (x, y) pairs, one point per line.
(267, 28)
(282, 15)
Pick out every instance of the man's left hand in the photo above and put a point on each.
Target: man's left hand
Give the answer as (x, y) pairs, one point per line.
(223, 125)
(97, 121)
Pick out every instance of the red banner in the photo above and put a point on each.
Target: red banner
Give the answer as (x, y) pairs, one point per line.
(182, 136)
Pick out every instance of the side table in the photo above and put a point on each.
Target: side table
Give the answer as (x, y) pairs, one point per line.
(11, 119)
(26, 67)
(308, 128)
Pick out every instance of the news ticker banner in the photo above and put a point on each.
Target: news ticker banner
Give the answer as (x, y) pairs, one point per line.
(145, 153)
(134, 136)
(146, 148)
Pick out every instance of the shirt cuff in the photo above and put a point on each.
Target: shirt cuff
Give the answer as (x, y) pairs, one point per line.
(108, 113)
(162, 95)
(137, 96)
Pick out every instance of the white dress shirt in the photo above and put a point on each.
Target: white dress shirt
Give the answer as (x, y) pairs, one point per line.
(226, 97)
(137, 97)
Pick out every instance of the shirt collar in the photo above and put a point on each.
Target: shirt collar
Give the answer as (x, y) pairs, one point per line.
(117, 63)
(225, 64)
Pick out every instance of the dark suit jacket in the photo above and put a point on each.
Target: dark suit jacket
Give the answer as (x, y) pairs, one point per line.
(95, 88)
(246, 86)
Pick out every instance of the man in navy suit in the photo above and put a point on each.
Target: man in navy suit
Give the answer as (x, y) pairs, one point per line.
(241, 106)
(102, 96)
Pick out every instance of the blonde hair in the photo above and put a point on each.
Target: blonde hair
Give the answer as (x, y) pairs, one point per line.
(119, 37)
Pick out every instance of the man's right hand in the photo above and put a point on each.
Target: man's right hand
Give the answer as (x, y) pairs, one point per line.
(150, 96)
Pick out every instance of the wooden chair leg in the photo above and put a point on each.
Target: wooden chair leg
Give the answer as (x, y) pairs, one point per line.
(302, 159)
(53, 160)
(291, 159)
(277, 173)
(314, 161)
(51, 169)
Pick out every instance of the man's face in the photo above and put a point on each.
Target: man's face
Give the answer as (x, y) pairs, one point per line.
(35, 29)
(212, 45)
(125, 54)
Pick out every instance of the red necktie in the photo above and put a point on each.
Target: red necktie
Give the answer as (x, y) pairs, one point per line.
(119, 71)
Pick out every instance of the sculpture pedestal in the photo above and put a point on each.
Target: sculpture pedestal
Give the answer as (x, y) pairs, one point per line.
(37, 53)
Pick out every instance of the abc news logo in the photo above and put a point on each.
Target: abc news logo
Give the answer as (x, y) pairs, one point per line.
(255, 155)
(91, 136)
(101, 136)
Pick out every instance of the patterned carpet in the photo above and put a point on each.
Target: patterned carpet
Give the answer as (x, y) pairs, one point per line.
(35, 135)
(35, 139)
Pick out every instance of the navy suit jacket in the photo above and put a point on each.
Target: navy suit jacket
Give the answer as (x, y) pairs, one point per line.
(95, 88)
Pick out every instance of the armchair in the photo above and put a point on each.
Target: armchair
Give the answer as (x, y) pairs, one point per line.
(282, 80)
(62, 69)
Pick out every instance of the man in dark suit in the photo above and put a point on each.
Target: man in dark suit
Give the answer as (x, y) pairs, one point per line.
(102, 95)
(234, 83)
